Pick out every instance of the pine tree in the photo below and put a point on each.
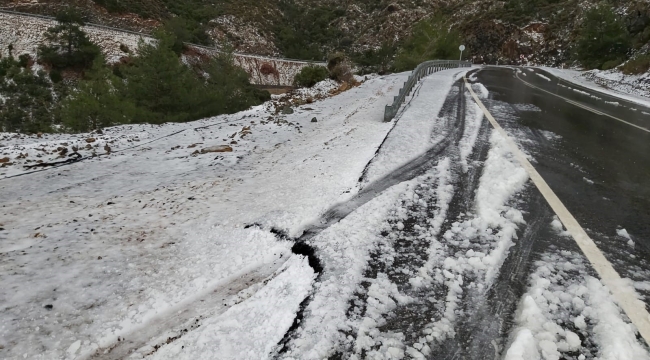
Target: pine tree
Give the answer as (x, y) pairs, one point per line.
(603, 38)
(99, 101)
(69, 46)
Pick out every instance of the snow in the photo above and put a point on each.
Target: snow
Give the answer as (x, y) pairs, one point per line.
(543, 77)
(624, 234)
(418, 127)
(119, 243)
(264, 318)
(563, 301)
(625, 92)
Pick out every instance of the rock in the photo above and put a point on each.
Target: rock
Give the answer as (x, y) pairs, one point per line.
(39, 135)
(99, 132)
(287, 110)
(233, 142)
(88, 146)
(216, 149)
(90, 140)
(49, 307)
(4, 160)
(314, 120)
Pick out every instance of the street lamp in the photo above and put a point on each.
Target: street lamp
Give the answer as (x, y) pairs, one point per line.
(461, 48)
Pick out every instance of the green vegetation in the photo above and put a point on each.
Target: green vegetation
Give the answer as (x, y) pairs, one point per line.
(152, 87)
(308, 33)
(375, 61)
(157, 88)
(70, 46)
(638, 65)
(27, 101)
(430, 40)
(310, 75)
(98, 102)
(603, 39)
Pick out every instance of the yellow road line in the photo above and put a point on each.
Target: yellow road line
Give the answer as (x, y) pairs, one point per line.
(624, 295)
(581, 105)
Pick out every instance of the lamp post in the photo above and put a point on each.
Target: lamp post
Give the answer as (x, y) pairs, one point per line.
(461, 48)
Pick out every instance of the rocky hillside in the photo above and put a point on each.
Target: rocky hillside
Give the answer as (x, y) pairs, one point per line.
(510, 31)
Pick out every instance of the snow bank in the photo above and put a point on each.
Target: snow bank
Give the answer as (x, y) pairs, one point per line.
(564, 305)
(418, 127)
(609, 82)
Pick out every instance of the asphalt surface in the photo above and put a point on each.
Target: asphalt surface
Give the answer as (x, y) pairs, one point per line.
(600, 167)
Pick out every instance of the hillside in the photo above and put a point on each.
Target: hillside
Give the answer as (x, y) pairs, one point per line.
(543, 31)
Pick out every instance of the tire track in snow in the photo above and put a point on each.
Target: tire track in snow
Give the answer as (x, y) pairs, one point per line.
(416, 167)
(171, 324)
(404, 252)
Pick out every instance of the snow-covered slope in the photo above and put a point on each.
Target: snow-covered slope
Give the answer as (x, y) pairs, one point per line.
(130, 242)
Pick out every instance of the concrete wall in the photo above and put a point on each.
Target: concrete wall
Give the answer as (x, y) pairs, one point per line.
(25, 33)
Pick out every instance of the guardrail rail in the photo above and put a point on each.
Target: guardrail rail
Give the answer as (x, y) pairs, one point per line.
(424, 69)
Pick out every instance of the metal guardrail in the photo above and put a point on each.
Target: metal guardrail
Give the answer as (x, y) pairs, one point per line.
(424, 69)
(141, 33)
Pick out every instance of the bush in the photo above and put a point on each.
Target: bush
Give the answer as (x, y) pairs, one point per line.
(28, 99)
(375, 60)
(431, 40)
(611, 64)
(55, 76)
(310, 75)
(304, 33)
(603, 38)
(24, 60)
(156, 87)
(340, 68)
(636, 66)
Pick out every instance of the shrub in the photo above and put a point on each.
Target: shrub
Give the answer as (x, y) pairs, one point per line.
(304, 33)
(431, 40)
(603, 38)
(55, 76)
(375, 60)
(636, 66)
(24, 60)
(157, 88)
(28, 102)
(608, 65)
(340, 68)
(310, 75)
(342, 73)
(98, 102)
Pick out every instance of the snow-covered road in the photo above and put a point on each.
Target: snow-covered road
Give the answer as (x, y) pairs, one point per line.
(324, 233)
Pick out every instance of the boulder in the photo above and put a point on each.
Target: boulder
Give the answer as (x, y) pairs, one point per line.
(314, 120)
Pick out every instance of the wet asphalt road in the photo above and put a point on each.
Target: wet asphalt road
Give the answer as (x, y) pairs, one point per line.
(599, 167)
